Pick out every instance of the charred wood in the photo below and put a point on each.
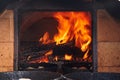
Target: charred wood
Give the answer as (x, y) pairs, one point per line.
(35, 52)
(61, 50)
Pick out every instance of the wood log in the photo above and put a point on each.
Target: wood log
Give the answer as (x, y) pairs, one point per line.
(58, 50)
(42, 49)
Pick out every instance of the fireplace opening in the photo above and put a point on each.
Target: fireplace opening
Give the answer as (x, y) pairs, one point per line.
(55, 41)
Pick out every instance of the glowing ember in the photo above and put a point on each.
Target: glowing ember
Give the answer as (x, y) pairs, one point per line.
(43, 58)
(49, 53)
(40, 60)
(56, 58)
(68, 57)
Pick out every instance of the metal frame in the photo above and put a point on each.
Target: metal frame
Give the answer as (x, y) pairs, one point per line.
(94, 41)
(27, 7)
(16, 39)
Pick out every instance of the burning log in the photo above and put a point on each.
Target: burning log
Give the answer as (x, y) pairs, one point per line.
(42, 49)
(35, 52)
(33, 55)
(61, 50)
(48, 53)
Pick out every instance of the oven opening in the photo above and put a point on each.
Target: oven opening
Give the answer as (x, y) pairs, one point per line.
(55, 41)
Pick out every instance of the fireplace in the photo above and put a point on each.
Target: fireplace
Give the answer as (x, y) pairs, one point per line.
(56, 39)
(30, 44)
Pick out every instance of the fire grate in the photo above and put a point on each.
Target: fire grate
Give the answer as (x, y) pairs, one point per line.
(44, 75)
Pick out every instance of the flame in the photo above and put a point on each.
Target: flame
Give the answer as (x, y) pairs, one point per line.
(42, 59)
(49, 53)
(68, 57)
(45, 39)
(56, 58)
(86, 55)
(74, 26)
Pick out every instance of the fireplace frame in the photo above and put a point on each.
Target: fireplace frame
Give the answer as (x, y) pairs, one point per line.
(49, 6)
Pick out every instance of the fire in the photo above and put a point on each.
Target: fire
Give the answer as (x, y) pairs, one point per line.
(72, 26)
(56, 58)
(68, 57)
(42, 59)
(49, 53)
(86, 55)
(45, 39)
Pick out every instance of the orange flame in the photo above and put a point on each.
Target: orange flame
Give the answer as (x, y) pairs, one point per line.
(49, 53)
(43, 58)
(68, 57)
(56, 58)
(71, 26)
(86, 55)
(74, 25)
(45, 39)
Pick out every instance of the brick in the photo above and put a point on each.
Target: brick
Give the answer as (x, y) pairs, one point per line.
(108, 29)
(6, 69)
(7, 26)
(109, 69)
(4, 30)
(109, 54)
(11, 27)
(6, 54)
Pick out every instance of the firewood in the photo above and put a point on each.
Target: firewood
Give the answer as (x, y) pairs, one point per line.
(41, 49)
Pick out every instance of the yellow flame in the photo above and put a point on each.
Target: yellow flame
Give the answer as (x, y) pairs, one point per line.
(49, 53)
(74, 25)
(68, 57)
(86, 55)
(56, 58)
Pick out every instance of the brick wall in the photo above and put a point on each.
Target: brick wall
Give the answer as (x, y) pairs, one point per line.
(108, 31)
(108, 39)
(6, 41)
